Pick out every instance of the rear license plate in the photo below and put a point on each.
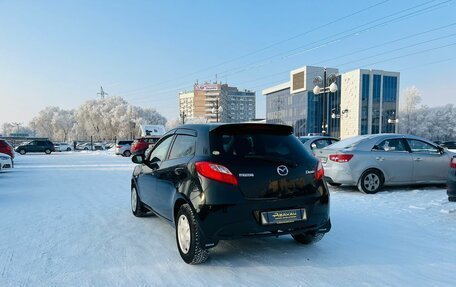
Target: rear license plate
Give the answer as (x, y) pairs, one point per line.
(283, 216)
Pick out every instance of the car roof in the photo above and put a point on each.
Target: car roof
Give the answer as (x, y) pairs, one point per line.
(209, 127)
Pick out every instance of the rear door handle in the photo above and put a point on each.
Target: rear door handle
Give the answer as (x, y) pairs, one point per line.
(417, 159)
(379, 158)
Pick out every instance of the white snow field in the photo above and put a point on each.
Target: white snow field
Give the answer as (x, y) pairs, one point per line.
(65, 220)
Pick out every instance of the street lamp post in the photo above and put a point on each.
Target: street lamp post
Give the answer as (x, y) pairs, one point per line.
(183, 116)
(325, 90)
(217, 109)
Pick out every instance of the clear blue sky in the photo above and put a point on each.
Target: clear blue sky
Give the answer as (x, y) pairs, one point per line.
(60, 52)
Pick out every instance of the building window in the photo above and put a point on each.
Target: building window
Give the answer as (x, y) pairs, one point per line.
(389, 103)
(376, 104)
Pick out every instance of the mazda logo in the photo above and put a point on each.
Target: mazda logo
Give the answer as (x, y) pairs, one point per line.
(282, 170)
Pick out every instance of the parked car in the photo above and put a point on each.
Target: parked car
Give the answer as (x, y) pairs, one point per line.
(124, 148)
(139, 146)
(371, 161)
(63, 147)
(45, 146)
(89, 146)
(312, 143)
(5, 161)
(7, 148)
(451, 145)
(451, 183)
(225, 181)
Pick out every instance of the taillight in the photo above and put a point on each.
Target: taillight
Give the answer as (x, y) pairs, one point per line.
(340, 157)
(118, 146)
(453, 163)
(216, 172)
(319, 171)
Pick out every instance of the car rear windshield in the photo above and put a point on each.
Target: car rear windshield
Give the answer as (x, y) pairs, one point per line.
(348, 143)
(257, 145)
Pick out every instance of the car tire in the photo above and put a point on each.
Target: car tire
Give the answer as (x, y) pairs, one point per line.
(47, 151)
(452, 198)
(189, 237)
(137, 207)
(371, 181)
(127, 153)
(68, 149)
(22, 151)
(334, 184)
(307, 238)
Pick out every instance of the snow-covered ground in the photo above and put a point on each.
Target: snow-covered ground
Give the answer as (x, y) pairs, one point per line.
(65, 220)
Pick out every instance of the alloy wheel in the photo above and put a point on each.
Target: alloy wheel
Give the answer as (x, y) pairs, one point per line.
(371, 182)
(134, 199)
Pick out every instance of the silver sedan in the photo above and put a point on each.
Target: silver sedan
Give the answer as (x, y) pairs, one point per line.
(371, 161)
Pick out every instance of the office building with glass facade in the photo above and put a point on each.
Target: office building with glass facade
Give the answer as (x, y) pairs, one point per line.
(365, 102)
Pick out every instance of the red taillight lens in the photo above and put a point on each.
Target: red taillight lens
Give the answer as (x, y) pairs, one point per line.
(319, 171)
(216, 172)
(340, 157)
(118, 146)
(453, 162)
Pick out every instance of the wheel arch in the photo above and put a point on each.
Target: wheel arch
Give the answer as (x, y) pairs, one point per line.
(382, 173)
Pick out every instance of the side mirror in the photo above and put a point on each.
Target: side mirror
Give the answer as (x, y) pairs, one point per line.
(441, 149)
(138, 159)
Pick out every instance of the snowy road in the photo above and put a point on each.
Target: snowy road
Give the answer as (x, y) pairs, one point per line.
(65, 220)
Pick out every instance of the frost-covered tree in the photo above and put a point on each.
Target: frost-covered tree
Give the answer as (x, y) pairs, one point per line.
(409, 105)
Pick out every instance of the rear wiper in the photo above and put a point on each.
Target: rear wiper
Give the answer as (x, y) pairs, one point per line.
(273, 159)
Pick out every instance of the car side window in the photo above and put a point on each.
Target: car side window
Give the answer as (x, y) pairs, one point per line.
(33, 143)
(161, 149)
(391, 145)
(183, 146)
(422, 147)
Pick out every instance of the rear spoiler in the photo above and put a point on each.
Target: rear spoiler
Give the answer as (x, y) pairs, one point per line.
(233, 129)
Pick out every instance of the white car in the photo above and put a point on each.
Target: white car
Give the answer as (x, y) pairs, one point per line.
(5, 161)
(63, 147)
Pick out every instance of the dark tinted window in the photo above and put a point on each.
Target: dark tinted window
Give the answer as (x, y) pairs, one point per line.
(124, 142)
(245, 145)
(151, 140)
(183, 146)
(391, 145)
(450, 145)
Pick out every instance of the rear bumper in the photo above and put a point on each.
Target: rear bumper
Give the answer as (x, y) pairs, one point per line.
(219, 222)
(451, 183)
(339, 173)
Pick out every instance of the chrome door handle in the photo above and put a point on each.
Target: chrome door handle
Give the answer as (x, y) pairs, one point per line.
(417, 159)
(379, 158)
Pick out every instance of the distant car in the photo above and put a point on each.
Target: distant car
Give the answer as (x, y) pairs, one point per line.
(124, 148)
(89, 146)
(228, 181)
(451, 183)
(312, 143)
(451, 145)
(139, 146)
(5, 161)
(6, 147)
(63, 147)
(45, 146)
(371, 161)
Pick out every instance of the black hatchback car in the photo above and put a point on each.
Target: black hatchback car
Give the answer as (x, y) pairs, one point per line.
(45, 146)
(225, 181)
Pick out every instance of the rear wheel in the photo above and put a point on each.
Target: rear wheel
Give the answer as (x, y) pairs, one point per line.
(137, 207)
(68, 149)
(22, 151)
(47, 151)
(189, 238)
(307, 238)
(371, 181)
(127, 153)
